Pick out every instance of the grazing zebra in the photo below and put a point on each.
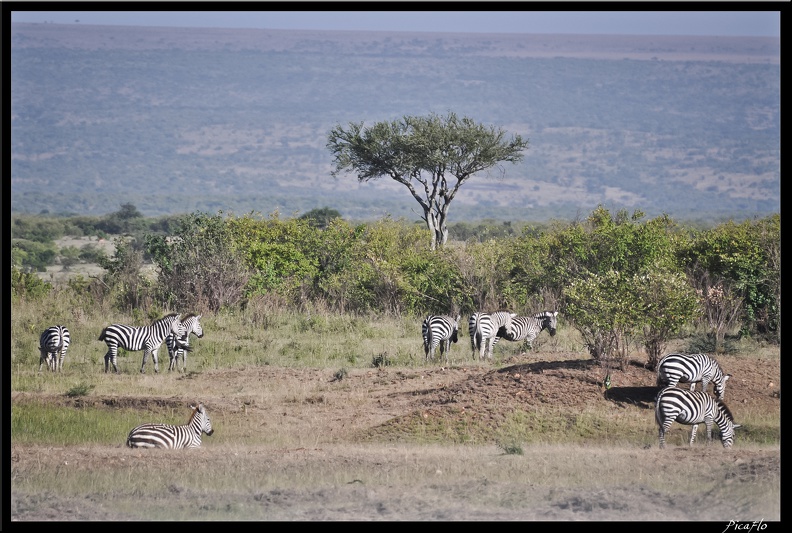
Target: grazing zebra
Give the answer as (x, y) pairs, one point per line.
(483, 329)
(179, 346)
(53, 343)
(527, 328)
(439, 330)
(173, 437)
(693, 408)
(677, 368)
(147, 338)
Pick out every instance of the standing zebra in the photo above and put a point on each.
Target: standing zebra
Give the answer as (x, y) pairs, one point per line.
(677, 368)
(173, 437)
(179, 346)
(147, 338)
(527, 328)
(439, 330)
(692, 408)
(53, 343)
(483, 329)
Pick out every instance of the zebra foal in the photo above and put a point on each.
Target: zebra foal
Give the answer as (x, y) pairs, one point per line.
(439, 330)
(677, 368)
(146, 338)
(173, 437)
(179, 346)
(693, 408)
(53, 343)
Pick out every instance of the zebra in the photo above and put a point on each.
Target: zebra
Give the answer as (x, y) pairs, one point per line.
(53, 343)
(147, 338)
(170, 436)
(439, 330)
(179, 346)
(677, 368)
(692, 408)
(527, 328)
(483, 328)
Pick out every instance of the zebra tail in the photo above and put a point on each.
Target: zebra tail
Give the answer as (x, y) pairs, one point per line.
(102, 335)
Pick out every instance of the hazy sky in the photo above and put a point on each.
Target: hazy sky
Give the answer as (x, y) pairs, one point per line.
(731, 23)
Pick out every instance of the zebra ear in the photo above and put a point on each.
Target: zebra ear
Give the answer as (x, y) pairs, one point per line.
(555, 313)
(735, 426)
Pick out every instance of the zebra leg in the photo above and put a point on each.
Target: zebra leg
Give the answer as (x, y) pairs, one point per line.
(693, 434)
(110, 357)
(708, 424)
(662, 431)
(145, 358)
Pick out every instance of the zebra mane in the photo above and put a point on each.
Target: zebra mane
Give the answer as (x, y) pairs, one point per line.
(725, 410)
(187, 316)
(544, 314)
(196, 408)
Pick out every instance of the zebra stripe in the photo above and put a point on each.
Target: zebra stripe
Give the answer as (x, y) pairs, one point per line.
(53, 343)
(693, 408)
(439, 330)
(172, 437)
(527, 328)
(677, 368)
(147, 338)
(483, 329)
(179, 346)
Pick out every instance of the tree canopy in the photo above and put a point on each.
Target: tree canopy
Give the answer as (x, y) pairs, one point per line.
(431, 155)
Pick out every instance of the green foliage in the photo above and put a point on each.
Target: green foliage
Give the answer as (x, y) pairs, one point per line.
(81, 389)
(32, 254)
(320, 218)
(280, 253)
(618, 275)
(667, 303)
(747, 257)
(90, 253)
(27, 285)
(36, 228)
(69, 255)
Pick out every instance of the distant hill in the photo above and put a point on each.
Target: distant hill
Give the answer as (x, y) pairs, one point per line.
(178, 120)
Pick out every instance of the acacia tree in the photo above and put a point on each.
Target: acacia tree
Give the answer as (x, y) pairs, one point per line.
(432, 156)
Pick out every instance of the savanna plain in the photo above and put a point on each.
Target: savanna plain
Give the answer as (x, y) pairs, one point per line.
(321, 417)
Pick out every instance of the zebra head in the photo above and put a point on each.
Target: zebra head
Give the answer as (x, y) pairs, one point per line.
(193, 325)
(725, 421)
(549, 321)
(200, 419)
(720, 386)
(177, 327)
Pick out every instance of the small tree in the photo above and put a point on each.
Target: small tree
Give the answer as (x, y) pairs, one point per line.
(320, 218)
(668, 304)
(432, 156)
